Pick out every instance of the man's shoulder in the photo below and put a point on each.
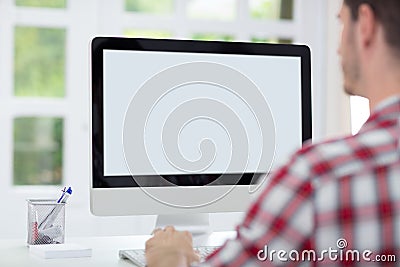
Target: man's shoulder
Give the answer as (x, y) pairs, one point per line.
(330, 148)
(347, 155)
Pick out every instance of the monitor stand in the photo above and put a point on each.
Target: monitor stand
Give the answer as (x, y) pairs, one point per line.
(197, 224)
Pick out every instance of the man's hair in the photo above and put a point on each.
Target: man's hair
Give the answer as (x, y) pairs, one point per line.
(387, 13)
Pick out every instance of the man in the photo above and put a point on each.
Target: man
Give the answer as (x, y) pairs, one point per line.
(336, 203)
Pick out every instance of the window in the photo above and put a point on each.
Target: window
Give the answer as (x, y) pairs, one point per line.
(42, 51)
(38, 157)
(227, 20)
(39, 62)
(147, 33)
(44, 80)
(158, 7)
(211, 10)
(271, 9)
(39, 80)
(212, 36)
(41, 3)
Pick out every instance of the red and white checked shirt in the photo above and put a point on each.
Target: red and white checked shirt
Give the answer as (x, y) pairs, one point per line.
(345, 188)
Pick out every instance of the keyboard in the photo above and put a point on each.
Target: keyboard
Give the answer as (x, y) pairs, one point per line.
(137, 257)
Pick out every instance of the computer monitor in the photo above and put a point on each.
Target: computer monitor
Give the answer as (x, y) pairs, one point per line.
(191, 127)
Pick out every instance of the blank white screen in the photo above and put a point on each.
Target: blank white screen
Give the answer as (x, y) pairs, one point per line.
(278, 78)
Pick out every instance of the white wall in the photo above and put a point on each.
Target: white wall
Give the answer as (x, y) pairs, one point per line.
(337, 102)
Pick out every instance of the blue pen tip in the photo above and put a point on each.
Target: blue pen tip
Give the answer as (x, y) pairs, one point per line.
(69, 191)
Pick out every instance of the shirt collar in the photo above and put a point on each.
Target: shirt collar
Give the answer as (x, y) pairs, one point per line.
(388, 109)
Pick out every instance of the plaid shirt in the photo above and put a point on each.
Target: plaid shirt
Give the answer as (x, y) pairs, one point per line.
(340, 196)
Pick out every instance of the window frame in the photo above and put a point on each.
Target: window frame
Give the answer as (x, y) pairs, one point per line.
(73, 107)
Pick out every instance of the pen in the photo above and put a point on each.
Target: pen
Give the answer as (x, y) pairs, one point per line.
(35, 231)
(65, 195)
(51, 217)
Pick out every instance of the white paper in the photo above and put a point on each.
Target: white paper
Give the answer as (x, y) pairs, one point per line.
(55, 251)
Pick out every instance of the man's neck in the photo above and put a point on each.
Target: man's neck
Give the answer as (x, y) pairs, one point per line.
(383, 83)
(388, 90)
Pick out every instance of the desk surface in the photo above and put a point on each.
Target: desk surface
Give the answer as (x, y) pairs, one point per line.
(15, 253)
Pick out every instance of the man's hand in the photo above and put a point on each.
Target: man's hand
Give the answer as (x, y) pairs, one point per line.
(170, 248)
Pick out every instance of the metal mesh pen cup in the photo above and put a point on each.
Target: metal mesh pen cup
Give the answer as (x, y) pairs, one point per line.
(46, 222)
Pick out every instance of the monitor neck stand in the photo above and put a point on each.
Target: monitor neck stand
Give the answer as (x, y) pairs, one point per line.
(197, 224)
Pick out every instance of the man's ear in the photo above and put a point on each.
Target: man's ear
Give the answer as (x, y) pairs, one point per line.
(367, 25)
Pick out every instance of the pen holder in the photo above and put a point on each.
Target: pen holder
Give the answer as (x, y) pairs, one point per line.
(46, 222)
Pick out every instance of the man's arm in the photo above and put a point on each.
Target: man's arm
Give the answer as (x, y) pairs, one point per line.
(281, 219)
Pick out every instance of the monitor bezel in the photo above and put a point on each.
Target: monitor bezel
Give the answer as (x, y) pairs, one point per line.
(99, 44)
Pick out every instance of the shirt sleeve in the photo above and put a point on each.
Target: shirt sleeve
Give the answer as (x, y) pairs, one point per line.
(281, 219)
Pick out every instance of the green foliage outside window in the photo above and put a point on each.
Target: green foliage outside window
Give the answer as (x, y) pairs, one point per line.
(42, 3)
(271, 40)
(150, 6)
(212, 37)
(271, 9)
(39, 64)
(286, 11)
(38, 151)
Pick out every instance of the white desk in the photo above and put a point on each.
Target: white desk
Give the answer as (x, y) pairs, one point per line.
(15, 253)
